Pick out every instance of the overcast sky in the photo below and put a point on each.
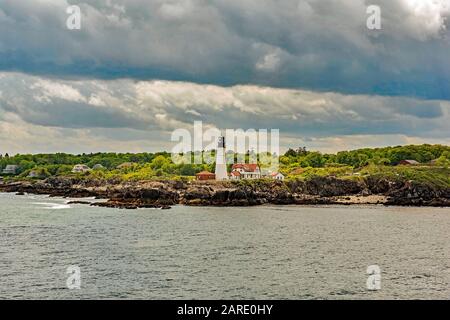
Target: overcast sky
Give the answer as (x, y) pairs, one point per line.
(138, 69)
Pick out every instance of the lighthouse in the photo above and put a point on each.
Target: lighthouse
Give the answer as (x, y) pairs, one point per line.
(221, 163)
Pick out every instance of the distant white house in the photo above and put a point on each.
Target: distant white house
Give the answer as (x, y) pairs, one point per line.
(409, 162)
(277, 176)
(245, 171)
(11, 169)
(80, 168)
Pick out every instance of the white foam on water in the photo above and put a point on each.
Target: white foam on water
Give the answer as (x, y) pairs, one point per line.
(53, 206)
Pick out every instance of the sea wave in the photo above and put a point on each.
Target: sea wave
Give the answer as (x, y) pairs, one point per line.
(53, 206)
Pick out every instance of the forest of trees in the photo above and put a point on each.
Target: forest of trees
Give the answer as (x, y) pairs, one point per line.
(147, 165)
(362, 157)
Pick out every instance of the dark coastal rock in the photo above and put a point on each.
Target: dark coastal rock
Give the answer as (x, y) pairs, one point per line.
(143, 196)
(178, 185)
(128, 205)
(163, 194)
(221, 196)
(327, 187)
(79, 202)
(281, 197)
(379, 185)
(196, 195)
(415, 194)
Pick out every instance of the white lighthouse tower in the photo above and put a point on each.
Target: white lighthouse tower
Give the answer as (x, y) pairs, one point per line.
(221, 163)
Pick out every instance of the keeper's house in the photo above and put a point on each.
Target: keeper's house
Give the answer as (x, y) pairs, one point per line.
(245, 171)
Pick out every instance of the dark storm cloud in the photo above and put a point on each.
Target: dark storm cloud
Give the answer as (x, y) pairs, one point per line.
(316, 45)
(164, 106)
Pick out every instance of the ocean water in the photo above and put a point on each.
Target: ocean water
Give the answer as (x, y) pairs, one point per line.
(269, 252)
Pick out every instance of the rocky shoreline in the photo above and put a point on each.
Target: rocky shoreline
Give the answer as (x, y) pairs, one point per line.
(163, 194)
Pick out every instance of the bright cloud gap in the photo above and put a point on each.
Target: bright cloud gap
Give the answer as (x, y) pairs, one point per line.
(42, 114)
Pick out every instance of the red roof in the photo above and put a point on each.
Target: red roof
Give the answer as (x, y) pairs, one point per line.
(235, 173)
(248, 167)
(205, 173)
